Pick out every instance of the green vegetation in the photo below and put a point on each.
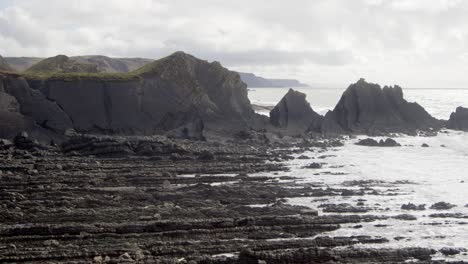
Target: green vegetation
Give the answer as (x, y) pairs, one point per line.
(73, 76)
(63, 68)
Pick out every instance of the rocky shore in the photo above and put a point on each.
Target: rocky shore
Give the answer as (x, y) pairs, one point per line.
(157, 200)
(170, 164)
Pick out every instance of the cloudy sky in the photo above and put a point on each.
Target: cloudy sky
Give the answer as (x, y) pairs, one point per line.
(327, 43)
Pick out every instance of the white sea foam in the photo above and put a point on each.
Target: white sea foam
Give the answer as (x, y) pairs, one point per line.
(439, 173)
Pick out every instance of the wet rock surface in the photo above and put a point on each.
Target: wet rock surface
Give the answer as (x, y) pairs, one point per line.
(159, 200)
(369, 142)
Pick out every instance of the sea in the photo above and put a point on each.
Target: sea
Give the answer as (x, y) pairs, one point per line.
(407, 174)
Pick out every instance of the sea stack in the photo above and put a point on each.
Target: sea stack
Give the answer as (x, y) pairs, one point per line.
(294, 114)
(366, 108)
(459, 119)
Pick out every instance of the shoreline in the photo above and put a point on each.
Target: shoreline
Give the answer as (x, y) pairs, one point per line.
(182, 199)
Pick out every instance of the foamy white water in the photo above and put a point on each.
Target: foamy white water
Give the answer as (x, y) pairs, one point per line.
(438, 173)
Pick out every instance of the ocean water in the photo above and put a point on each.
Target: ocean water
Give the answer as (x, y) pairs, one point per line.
(416, 174)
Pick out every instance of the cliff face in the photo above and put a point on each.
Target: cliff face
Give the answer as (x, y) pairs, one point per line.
(25, 109)
(294, 114)
(173, 86)
(368, 109)
(459, 119)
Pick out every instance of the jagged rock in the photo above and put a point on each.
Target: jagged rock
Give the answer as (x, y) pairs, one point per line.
(389, 142)
(25, 109)
(146, 101)
(294, 114)
(369, 142)
(459, 119)
(411, 206)
(366, 108)
(442, 206)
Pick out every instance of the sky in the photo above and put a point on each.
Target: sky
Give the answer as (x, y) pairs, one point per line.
(326, 43)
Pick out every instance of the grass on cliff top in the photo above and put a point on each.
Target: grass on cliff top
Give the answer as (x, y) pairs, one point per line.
(133, 75)
(74, 76)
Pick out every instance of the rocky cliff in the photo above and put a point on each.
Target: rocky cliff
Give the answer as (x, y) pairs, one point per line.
(177, 87)
(294, 114)
(459, 119)
(25, 109)
(366, 108)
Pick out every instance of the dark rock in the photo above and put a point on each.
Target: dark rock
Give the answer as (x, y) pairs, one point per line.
(459, 119)
(442, 206)
(373, 143)
(206, 155)
(424, 145)
(343, 208)
(182, 125)
(389, 143)
(406, 217)
(367, 108)
(413, 207)
(313, 165)
(174, 94)
(369, 142)
(451, 251)
(294, 114)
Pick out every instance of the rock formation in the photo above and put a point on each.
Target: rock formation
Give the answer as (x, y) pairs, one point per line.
(4, 66)
(459, 119)
(25, 109)
(179, 94)
(366, 108)
(294, 114)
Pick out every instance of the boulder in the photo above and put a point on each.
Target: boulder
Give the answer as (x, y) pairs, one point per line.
(294, 114)
(413, 207)
(442, 206)
(459, 119)
(366, 108)
(369, 142)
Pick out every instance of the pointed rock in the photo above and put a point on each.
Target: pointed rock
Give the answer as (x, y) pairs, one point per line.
(366, 108)
(294, 114)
